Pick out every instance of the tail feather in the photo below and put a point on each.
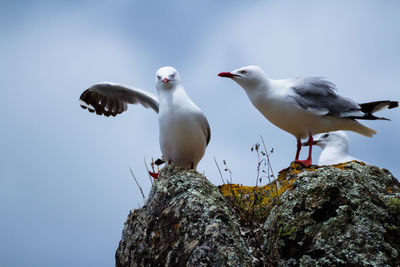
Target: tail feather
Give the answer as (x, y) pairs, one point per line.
(355, 126)
(372, 107)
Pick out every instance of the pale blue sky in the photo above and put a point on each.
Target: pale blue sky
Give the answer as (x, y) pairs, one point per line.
(65, 187)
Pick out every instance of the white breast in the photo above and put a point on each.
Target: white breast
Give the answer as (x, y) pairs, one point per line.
(182, 138)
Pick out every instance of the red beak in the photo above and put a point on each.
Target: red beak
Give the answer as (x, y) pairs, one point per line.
(227, 75)
(165, 80)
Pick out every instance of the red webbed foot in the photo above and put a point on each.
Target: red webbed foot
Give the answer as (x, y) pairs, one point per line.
(154, 175)
(305, 163)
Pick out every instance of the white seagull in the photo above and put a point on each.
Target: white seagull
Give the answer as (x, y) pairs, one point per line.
(184, 130)
(335, 148)
(305, 106)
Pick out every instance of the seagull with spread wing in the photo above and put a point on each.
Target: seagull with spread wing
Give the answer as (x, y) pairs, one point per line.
(305, 106)
(184, 130)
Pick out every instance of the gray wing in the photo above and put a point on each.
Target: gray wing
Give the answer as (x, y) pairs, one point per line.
(208, 129)
(319, 96)
(112, 99)
(205, 127)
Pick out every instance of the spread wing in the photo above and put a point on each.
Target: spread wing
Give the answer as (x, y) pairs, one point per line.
(319, 96)
(112, 98)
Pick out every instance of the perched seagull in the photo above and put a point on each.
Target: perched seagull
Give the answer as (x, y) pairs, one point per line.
(335, 148)
(305, 106)
(184, 130)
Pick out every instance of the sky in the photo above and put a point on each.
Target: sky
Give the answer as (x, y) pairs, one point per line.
(65, 184)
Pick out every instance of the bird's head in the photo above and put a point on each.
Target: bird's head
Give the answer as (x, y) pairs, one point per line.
(338, 139)
(247, 77)
(167, 78)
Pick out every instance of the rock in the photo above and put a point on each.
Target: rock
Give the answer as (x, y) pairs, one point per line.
(185, 222)
(346, 214)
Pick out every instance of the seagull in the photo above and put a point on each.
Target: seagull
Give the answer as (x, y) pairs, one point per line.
(335, 148)
(184, 129)
(305, 106)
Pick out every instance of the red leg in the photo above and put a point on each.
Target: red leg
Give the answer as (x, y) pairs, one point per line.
(308, 161)
(298, 149)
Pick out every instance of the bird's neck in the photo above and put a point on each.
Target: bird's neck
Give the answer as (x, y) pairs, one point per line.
(258, 90)
(173, 97)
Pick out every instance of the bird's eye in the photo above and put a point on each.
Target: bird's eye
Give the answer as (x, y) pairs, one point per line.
(243, 72)
(173, 75)
(159, 77)
(325, 135)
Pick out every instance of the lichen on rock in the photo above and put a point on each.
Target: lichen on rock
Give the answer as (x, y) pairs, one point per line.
(344, 215)
(185, 222)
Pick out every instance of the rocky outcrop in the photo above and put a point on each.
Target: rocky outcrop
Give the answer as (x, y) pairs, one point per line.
(185, 222)
(347, 214)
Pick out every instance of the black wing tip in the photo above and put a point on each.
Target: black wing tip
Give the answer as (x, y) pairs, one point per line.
(367, 117)
(101, 112)
(89, 102)
(393, 104)
(370, 106)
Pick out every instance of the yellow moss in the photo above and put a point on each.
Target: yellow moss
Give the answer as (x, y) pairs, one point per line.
(260, 197)
(249, 197)
(252, 199)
